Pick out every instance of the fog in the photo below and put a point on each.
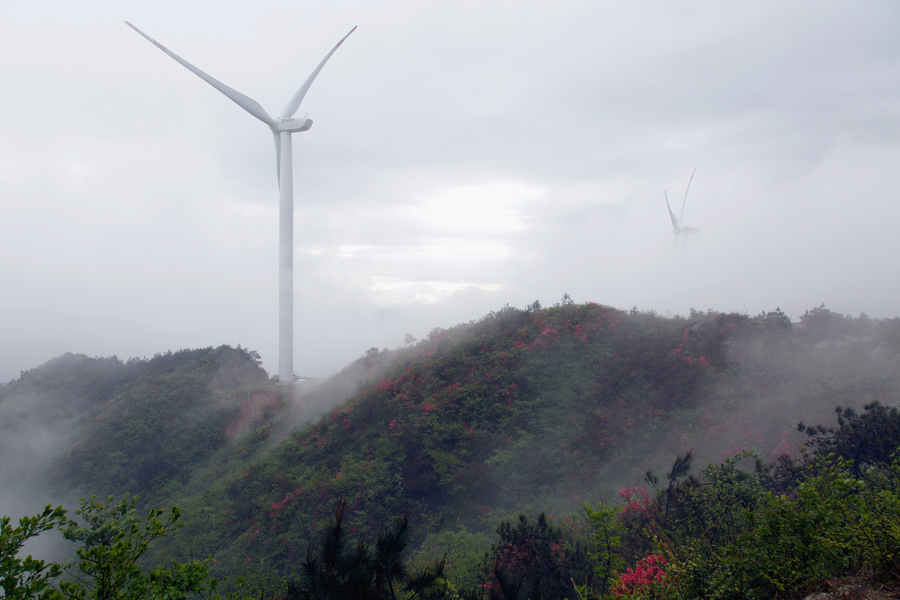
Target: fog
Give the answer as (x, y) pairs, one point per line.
(463, 157)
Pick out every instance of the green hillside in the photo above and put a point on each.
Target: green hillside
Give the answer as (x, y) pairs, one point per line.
(542, 410)
(538, 410)
(79, 426)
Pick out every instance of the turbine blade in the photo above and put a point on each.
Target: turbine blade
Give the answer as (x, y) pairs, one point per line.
(681, 219)
(671, 214)
(277, 136)
(250, 105)
(297, 98)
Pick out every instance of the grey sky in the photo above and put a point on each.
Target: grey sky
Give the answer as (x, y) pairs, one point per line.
(464, 155)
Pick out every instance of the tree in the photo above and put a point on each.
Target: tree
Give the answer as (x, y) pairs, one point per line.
(534, 560)
(776, 320)
(821, 322)
(354, 572)
(605, 521)
(22, 578)
(114, 538)
(870, 438)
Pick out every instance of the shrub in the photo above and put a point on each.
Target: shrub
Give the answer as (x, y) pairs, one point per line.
(28, 577)
(113, 539)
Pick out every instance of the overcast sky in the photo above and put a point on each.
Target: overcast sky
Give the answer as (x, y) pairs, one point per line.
(465, 155)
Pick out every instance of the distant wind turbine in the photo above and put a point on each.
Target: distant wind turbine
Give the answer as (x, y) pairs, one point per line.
(678, 222)
(282, 127)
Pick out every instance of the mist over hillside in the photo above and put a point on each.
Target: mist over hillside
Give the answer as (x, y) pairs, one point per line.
(79, 425)
(543, 409)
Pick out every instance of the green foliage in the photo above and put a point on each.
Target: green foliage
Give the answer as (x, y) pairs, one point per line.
(776, 320)
(536, 560)
(878, 528)
(517, 410)
(464, 552)
(131, 445)
(108, 427)
(27, 578)
(522, 409)
(871, 438)
(358, 572)
(799, 540)
(724, 535)
(607, 528)
(148, 437)
(113, 539)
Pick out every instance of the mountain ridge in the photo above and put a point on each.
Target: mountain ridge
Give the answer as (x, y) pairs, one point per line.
(545, 408)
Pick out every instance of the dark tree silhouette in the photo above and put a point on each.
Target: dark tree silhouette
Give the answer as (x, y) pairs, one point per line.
(870, 438)
(534, 561)
(342, 571)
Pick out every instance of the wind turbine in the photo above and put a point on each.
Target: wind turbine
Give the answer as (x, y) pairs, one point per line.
(678, 222)
(282, 127)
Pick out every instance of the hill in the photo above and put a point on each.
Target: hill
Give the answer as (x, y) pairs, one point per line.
(522, 410)
(78, 425)
(543, 409)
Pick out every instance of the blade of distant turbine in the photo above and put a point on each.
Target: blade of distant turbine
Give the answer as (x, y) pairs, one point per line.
(249, 104)
(297, 98)
(277, 136)
(671, 214)
(681, 219)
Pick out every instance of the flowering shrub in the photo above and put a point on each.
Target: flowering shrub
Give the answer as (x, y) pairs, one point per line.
(637, 582)
(637, 500)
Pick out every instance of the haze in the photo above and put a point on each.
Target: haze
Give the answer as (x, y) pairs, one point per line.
(464, 156)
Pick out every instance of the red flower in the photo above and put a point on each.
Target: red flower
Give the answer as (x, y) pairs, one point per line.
(645, 573)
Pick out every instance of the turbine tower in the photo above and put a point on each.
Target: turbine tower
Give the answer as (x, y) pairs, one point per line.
(678, 222)
(282, 127)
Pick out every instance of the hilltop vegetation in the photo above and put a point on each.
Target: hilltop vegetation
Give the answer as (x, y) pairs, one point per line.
(523, 411)
(80, 426)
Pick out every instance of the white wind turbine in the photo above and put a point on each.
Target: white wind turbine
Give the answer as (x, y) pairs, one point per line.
(282, 127)
(678, 222)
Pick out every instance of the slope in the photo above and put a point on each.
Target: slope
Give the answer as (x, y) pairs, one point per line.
(78, 425)
(537, 409)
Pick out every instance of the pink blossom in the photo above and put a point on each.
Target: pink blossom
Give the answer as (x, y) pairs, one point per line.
(645, 573)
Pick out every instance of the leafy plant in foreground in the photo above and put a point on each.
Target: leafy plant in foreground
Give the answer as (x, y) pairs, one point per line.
(879, 524)
(28, 577)
(727, 537)
(794, 541)
(113, 540)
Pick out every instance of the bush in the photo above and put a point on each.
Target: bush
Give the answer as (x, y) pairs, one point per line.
(113, 541)
(736, 534)
(795, 541)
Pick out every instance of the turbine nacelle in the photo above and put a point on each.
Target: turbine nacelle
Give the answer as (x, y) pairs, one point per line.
(292, 125)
